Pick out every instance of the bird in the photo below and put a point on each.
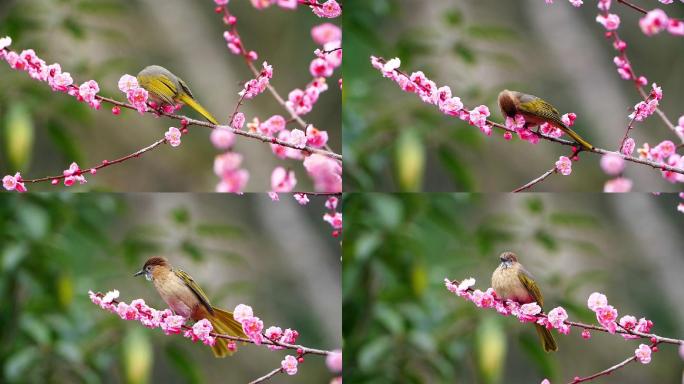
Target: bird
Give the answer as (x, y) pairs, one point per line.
(165, 88)
(186, 298)
(536, 111)
(511, 281)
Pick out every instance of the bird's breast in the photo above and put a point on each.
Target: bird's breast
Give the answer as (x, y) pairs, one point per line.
(508, 286)
(178, 296)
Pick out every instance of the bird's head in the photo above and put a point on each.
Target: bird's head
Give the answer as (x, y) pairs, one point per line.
(152, 264)
(508, 103)
(508, 259)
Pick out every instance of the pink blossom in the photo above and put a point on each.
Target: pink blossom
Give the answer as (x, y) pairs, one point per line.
(335, 219)
(611, 22)
(654, 22)
(110, 296)
(222, 138)
(331, 203)
(628, 147)
(676, 27)
(316, 138)
(13, 183)
(329, 9)
(586, 334)
(227, 167)
(569, 119)
(663, 150)
(301, 198)
(5, 42)
(274, 196)
(606, 316)
(334, 361)
(484, 299)
(252, 326)
(612, 164)
(221, 2)
(61, 81)
(629, 323)
(530, 309)
(273, 125)
(550, 130)
(201, 330)
(238, 120)
(283, 180)
(173, 136)
(289, 336)
(618, 185)
(564, 165)
(478, 116)
(297, 138)
(320, 68)
(451, 106)
(289, 365)
(172, 325)
(242, 312)
(557, 317)
(127, 312)
(299, 102)
(656, 92)
(604, 5)
(138, 98)
(597, 300)
(325, 33)
(576, 3)
(88, 90)
(643, 353)
(644, 325)
(326, 173)
(127, 82)
(546, 381)
(73, 174)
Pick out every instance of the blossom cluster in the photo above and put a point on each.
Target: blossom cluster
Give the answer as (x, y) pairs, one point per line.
(52, 74)
(152, 318)
(135, 94)
(606, 315)
(329, 9)
(326, 172)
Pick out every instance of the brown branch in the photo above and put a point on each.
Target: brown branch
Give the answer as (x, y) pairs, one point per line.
(634, 7)
(605, 371)
(535, 181)
(267, 376)
(650, 163)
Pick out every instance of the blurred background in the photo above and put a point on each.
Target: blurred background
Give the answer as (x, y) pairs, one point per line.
(395, 142)
(401, 325)
(56, 247)
(102, 40)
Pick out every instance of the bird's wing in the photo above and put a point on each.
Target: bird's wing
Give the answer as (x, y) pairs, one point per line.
(190, 283)
(530, 286)
(159, 86)
(538, 107)
(185, 87)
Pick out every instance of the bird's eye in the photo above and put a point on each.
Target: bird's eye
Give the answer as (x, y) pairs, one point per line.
(147, 268)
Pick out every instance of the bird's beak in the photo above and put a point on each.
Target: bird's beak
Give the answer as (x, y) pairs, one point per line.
(140, 272)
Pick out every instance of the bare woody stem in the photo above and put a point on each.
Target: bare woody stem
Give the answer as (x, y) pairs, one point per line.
(535, 181)
(267, 376)
(634, 7)
(605, 372)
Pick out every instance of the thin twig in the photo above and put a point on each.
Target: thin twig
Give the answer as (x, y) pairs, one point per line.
(604, 372)
(536, 181)
(636, 8)
(267, 376)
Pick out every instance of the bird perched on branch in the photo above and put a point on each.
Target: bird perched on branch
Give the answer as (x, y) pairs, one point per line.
(166, 88)
(535, 111)
(511, 281)
(186, 298)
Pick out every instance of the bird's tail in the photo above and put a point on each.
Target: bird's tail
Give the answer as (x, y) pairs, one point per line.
(547, 338)
(189, 101)
(224, 323)
(577, 138)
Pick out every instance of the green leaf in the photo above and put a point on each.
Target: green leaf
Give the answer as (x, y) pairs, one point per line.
(389, 318)
(18, 135)
(464, 52)
(38, 331)
(490, 347)
(491, 32)
(180, 215)
(76, 29)
(459, 173)
(137, 356)
(372, 352)
(535, 205)
(191, 249)
(65, 141)
(184, 364)
(19, 362)
(218, 230)
(546, 240)
(409, 160)
(453, 17)
(573, 219)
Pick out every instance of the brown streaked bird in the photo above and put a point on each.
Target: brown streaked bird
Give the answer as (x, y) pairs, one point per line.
(186, 298)
(535, 111)
(511, 281)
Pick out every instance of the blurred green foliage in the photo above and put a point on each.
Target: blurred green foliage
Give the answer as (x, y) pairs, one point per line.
(400, 324)
(56, 247)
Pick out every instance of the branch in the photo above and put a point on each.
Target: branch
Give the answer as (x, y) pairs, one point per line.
(604, 372)
(536, 181)
(267, 376)
(426, 91)
(634, 7)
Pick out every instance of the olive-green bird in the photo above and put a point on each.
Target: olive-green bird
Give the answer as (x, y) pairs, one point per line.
(186, 298)
(166, 88)
(535, 111)
(511, 281)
